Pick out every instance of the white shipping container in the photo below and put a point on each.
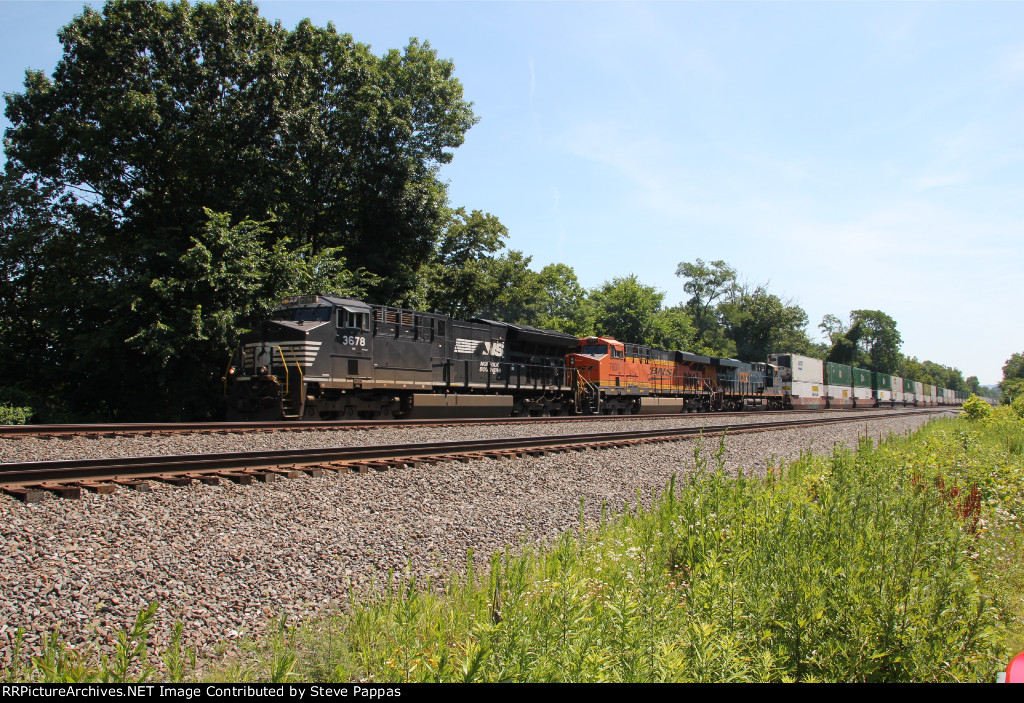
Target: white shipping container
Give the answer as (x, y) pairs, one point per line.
(862, 395)
(807, 369)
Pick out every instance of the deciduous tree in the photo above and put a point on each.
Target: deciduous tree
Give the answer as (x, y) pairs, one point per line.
(760, 323)
(1012, 384)
(158, 114)
(626, 309)
(706, 283)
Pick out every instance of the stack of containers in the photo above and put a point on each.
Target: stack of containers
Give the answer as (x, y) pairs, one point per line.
(919, 399)
(881, 383)
(910, 392)
(862, 393)
(940, 396)
(897, 390)
(838, 385)
(801, 379)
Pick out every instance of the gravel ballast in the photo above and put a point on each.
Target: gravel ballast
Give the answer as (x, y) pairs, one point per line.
(69, 447)
(225, 559)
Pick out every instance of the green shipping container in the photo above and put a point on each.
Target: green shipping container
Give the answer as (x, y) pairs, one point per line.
(838, 374)
(881, 381)
(908, 385)
(862, 378)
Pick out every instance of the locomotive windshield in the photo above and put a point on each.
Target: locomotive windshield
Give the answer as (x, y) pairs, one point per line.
(321, 313)
(595, 349)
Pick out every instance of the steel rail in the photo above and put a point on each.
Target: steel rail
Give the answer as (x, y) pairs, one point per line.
(97, 430)
(48, 473)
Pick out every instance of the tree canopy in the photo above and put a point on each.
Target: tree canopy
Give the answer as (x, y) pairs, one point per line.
(1012, 384)
(176, 142)
(707, 283)
(760, 323)
(870, 340)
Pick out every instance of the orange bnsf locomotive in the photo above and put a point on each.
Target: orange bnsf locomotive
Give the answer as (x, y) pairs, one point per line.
(626, 378)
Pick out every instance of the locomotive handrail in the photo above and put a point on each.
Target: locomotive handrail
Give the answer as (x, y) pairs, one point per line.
(298, 366)
(284, 362)
(583, 386)
(287, 377)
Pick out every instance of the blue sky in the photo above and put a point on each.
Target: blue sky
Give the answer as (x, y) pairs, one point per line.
(857, 155)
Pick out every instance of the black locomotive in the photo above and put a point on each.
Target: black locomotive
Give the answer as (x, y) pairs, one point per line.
(322, 357)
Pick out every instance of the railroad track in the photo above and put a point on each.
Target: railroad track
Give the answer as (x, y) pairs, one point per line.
(109, 430)
(29, 481)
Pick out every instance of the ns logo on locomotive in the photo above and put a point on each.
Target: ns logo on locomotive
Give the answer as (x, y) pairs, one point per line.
(325, 357)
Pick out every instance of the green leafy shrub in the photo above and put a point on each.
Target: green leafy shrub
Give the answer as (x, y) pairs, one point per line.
(976, 409)
(14, 416)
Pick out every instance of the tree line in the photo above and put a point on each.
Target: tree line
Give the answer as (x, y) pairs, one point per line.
(187, 165)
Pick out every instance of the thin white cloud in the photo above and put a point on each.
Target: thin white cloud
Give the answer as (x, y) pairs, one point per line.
(1011, 63)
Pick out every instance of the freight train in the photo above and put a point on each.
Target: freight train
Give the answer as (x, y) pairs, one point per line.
(325, 357)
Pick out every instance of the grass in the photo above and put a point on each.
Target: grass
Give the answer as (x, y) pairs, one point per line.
(895, 563)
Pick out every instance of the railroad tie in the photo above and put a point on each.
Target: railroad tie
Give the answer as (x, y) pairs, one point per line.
(285, 471)
(174, 479)
(97, 487)
(494, 455)
(24, 494)
(141, 486)
(263, 476)
(236, 477)
(337, 467)
(61, 489)
(205, 479)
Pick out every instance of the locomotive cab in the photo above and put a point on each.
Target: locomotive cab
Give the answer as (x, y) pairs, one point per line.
(353, 342)
(599, 361)
(276, 359)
